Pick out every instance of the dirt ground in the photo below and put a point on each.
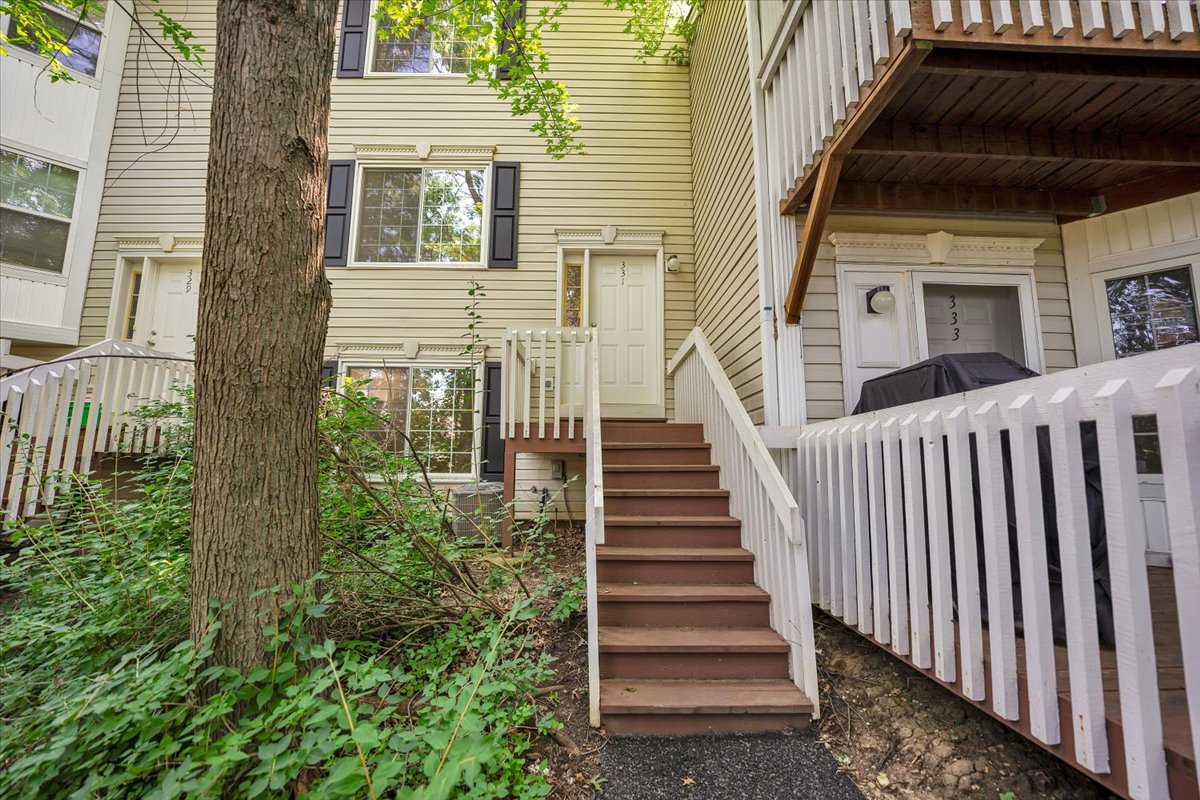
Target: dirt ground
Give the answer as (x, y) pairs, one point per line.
(900, 735)
(572, 755)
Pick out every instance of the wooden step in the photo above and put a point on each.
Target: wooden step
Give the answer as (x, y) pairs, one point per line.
(665, 605)
(692, 653)
(656, 452)
(667, 707)
(667, 502)
(674, 565)
(628, 430)
(623, 531)
(662, 476)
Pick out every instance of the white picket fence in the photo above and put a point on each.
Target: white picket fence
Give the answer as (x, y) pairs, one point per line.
(758, 495)
(543, 373)
(883, 520)
(56, 417)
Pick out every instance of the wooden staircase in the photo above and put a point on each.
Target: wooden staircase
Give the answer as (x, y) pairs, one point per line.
(685, 641)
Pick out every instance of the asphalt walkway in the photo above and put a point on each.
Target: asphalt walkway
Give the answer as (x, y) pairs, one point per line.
(766, 767)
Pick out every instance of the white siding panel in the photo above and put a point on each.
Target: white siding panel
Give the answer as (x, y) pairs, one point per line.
(727, 296)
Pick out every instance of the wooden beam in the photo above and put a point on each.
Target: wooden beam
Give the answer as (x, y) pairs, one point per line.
(923, 198)
(1150, 189)
(1035, 145)
(888, 83)
(1057, 66)
(810, 239)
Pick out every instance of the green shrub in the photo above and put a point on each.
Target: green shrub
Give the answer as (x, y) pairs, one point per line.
(427, 694)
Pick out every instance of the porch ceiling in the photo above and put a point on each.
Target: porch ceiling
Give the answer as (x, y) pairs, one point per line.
(1071, 134)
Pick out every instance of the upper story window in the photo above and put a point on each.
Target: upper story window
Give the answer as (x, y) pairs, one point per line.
(82, 35)
(436, 48)
(1152, 311)
(37, 201)
(412, 215)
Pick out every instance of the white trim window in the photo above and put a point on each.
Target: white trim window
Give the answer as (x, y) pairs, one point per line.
(1151, 310)
(435, 48)
(420, 215)
(37, 203)
(83, 36)
(436, 407)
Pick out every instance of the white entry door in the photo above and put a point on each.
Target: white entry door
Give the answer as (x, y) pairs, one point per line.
(170, 321)
(626, 310)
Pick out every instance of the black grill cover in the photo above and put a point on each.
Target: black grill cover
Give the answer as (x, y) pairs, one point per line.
(962, 372)
(938, 377)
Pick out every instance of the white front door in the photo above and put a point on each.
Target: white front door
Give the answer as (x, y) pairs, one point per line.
(874, 344)
(626, 311)
(169, 323)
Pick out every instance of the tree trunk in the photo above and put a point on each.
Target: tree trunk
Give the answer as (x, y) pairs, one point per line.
(264, 305)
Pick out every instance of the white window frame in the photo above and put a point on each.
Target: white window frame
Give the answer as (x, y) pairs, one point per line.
(362, 166)
(369, 70)
(37, 58)
(45, 275)
(1023, 280)
(403, 362)
(1104, 317)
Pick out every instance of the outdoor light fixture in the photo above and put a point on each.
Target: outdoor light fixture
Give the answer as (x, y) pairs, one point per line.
(672, 263)
(880, 300)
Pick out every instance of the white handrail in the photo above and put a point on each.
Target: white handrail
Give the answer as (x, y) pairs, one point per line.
(772, 528)
(43, 430)
(912, 469)
(594, 522)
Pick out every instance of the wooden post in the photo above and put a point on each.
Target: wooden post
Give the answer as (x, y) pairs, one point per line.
(814, 226)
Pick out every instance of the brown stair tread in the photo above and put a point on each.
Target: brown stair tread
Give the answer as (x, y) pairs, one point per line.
(682, 592)
(654, 445)
(615, 639)
(779, 696)
(668, 468)
(671, 521)
(666, 493)
(606, 553)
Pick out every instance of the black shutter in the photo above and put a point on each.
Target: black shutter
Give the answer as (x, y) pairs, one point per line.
(502, 240)
(508, 39)
(337, 212)
(329, 372)
(491, 456)
(352, 49)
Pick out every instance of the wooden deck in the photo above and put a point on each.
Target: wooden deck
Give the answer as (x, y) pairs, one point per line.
(1177, 739)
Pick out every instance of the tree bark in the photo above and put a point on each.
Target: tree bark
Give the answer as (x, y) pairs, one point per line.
(264, 306)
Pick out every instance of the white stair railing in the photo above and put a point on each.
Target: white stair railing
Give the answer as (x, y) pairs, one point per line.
(543, 380)
(758, 495)
(56, 417)
(890, 512)
(593, 523)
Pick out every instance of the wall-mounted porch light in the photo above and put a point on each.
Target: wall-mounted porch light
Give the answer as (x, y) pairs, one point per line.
(672, 263)
(880, 300)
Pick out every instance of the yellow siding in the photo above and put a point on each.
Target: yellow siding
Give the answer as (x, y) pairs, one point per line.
(637, 174)
(822, 337)
(727, 292)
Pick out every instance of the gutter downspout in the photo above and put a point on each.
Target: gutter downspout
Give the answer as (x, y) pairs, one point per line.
(766, 288)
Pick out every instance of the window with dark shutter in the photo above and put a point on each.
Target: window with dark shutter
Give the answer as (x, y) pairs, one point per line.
(508, 40)
(329, 373)
(491, 454)
(352, 47)
(502, 227)
(340, 198)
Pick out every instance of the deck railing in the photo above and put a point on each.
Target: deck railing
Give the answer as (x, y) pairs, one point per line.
(820, 58)
(543, 373)
(771, 525)
(889, 503)
(57, 417)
